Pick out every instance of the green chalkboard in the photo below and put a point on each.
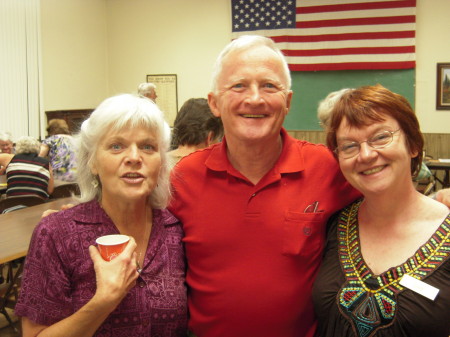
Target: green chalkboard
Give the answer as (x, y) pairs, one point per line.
(311, 87)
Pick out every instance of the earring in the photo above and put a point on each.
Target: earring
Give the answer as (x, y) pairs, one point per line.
(94, 182)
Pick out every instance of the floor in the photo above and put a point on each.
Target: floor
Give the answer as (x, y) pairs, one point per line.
(8, 331)
(5, 329)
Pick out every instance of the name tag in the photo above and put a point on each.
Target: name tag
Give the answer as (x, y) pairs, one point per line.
(419, 287)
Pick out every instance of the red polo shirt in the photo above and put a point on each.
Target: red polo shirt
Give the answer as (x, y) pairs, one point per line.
(252, 250)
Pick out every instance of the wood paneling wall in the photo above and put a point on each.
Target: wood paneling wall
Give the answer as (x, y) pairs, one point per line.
(437, 145)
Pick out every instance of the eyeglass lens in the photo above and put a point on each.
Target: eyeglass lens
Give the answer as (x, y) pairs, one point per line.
(378, 141)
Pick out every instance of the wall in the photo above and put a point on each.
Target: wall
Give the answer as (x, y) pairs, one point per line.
(81, 66)
(74, 53)
(166, 37)
(311, 87)
(432, 46)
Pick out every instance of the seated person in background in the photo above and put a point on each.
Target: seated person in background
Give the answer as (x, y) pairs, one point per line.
(60, 149)
(195, 127)
(6, 143)
(377, 244)
(148, 90)
(26, 172)
(124, 181)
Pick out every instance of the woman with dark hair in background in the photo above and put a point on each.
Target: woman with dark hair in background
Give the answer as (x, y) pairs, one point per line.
(195, 128)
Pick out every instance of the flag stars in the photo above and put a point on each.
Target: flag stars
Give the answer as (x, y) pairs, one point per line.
(270, 14)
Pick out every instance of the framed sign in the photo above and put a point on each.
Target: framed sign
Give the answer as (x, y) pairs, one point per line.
(443, 86)
(166, 90)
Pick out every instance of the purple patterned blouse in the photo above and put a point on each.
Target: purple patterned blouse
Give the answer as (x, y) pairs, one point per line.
(59, 277)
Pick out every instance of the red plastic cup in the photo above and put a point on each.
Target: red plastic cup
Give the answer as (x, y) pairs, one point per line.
(110, 246)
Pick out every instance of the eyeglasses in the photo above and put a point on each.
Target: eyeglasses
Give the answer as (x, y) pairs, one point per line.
(380, 140)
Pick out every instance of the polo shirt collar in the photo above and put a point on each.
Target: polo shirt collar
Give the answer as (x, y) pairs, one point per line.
(291, 159)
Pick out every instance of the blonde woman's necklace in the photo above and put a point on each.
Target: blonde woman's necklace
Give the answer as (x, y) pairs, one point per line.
(142, 247)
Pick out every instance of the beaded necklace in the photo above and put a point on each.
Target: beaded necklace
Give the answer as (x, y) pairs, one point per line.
(370, 301)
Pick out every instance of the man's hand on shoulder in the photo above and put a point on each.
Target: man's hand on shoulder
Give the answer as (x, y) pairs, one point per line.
(50, 211)
(444, 196)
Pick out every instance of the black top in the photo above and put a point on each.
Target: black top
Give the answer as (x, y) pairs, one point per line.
(351, 301)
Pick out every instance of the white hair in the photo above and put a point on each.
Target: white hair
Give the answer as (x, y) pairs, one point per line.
(146, 88)
(245, 42)
(327, 104)
(116, 113)
(27, 144)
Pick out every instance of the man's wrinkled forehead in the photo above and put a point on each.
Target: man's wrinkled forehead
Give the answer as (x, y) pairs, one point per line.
(249, 56)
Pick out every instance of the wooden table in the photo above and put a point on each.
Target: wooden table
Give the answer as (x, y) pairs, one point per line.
(17, 227)
(437, 165)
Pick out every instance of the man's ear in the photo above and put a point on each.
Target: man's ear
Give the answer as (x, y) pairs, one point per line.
(288, 101)
(212, 102)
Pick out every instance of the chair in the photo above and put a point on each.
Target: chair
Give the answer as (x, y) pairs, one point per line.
(64, 191)
(9, 291)
(14, 203)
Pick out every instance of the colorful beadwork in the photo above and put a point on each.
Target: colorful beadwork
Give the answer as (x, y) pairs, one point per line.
(370, 301)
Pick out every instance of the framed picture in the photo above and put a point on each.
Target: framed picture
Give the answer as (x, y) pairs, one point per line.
(167, 95)
(443, 86)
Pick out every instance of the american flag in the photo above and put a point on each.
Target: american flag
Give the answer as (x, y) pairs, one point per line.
(333, 34)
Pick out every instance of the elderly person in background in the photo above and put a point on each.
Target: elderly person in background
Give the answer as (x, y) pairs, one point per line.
(27, 174)
(148, 90)
(6, 143)
(384, 249)
(123, 178)
(326, 106)
(59, 147)
(195, 128)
